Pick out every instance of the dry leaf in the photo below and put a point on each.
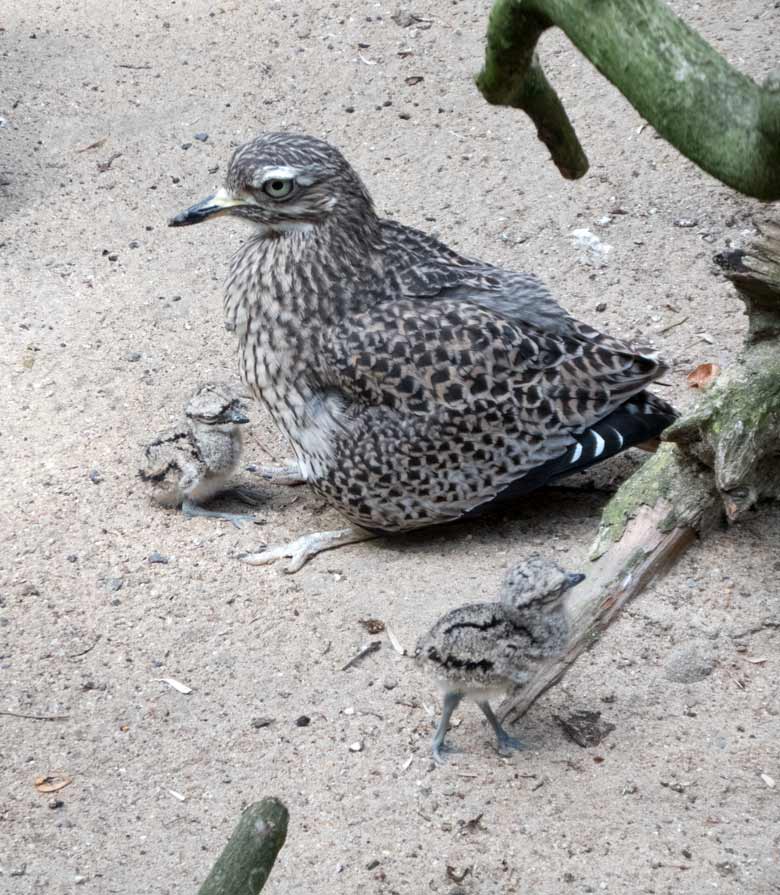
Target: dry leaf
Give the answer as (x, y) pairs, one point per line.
(703, 376)
(452, 874)
(414, 79)
(52, 784)
(96, 145)
(177, 685)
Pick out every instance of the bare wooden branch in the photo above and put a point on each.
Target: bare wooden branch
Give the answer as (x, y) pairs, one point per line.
(642, 535)
(245, 864)
(715, 115)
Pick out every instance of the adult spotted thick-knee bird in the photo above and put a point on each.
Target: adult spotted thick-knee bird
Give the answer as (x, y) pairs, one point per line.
(416, 386)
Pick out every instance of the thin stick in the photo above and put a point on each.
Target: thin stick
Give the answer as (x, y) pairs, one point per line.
(35, 717)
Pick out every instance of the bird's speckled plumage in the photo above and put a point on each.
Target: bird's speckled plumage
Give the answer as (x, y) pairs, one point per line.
(493, 646)
(483, 649)
(415, 385)
(194, 461)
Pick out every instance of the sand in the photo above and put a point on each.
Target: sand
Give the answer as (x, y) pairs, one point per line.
(110, 319)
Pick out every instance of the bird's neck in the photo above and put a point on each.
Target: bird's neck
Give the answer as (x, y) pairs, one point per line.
(549, 629)
(310, 274)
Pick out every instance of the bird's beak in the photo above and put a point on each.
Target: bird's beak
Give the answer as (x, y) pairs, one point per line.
(220, 203)
(574, 578)
(236, 416)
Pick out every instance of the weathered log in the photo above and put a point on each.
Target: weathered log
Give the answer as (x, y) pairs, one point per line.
(245, 864)
(715, 115)
(720, 459)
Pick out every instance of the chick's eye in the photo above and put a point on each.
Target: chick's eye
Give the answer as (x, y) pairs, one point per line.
(277, 188)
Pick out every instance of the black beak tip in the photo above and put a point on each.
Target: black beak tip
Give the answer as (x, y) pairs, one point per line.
(574, 578)
(180, 220)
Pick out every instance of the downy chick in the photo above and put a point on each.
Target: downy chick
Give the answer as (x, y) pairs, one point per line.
(481, 650)
(190, 465)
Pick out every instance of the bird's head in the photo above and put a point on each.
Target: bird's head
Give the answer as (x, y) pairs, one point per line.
(285, 182)
(537, 581)
(215, 404)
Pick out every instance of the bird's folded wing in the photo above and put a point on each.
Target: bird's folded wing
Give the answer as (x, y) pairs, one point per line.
(464, 365)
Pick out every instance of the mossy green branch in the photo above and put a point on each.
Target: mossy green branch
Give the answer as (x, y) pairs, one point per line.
(245, 864)
(712, 113)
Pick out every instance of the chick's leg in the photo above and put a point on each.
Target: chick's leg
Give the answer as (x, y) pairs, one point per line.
(451, 702)
(505, 742)
(191, 509)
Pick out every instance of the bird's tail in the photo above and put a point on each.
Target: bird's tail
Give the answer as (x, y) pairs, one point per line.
(637, 422)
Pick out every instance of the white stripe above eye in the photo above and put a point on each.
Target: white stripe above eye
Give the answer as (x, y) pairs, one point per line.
(599, 441)
(281, 172)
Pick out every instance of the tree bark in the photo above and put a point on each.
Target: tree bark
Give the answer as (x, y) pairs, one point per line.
(720, 459)
(712, 113)
(245, 864)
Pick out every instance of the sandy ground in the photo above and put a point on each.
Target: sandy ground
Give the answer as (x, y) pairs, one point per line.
(108, 321)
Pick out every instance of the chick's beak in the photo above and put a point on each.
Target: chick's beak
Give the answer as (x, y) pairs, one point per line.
(574, 578)
(220, 203)
(237, 416)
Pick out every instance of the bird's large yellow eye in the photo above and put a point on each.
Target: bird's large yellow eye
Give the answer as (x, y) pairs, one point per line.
(278, 188)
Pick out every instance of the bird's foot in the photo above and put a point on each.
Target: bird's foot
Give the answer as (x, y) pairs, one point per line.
(289, 474)
(301, 550)
(245, 495)
(440, 751)
(507, 744)
(191, 510)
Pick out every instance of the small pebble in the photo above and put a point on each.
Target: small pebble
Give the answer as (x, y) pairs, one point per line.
(113, 256)
(303, 721)
(55, 803)
(95, 477)
(71, 557)
(213, 169)
(186, 145)
(357, 746)
(372, 865)
(133, 356)
(688, 663)
(685, 222)
(158, 558)
(601, 307)
(390, 684)
(201, 136)
(175, 179)
(115, 584)
(134, 244)
(258, 723)
(405, 116)
(349, 109)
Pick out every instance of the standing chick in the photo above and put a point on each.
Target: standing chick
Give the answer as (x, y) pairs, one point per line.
(189, 465)
(482, 649)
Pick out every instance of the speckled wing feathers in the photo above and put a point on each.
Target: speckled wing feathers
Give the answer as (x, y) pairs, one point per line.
(171, 455)
(482, 644)
(449, 404)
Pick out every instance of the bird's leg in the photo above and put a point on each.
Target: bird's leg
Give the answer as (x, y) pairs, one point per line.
(191, 509)
(302, 549)
(451, 702)
(289, 474)
(505, 742)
